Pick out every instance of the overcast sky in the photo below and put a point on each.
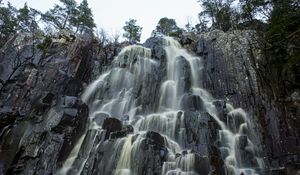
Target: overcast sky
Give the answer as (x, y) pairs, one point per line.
(112, 14)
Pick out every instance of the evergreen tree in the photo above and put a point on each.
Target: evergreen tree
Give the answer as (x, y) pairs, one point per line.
(27, 19)
(8, 22)
(133, 32)
(62, 17)
(252, 12)
(167, 27)
(219, 12)
(283, 29)
(84, 20)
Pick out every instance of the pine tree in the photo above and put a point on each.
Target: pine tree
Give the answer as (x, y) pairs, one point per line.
(27, 19)
(62, 17)
(133, 32)
(8, 22)
(84, 21)
(167, 27)
(219, 11)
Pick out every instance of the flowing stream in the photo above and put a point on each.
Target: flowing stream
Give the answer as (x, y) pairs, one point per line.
(175, 127)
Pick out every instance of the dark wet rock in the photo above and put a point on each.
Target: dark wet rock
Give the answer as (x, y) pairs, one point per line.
(193, 162)
(118, 134)
(8, 119)
(72, 127)
(84, 152)
(99, 118)
(221, 109)
(156, 46)
(48, 98)
(217, 164)
(242, 141)
(111, 125)
(155, 138)
(184, 152)
(128, 128)
(201, 48)
(202, 164)
(184, 69)
(196, 131)
(235, 120)
(10, 146)
(190, 102)
(152, 154)
(247, 157)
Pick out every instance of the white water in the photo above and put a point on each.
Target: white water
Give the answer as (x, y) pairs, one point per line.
(113, 93)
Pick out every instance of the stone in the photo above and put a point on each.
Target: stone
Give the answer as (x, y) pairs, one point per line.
(48, 98)
(117, 134)
(202, 164)
(99, 118)
(111, 125)
(242, 141)
(191, 102)
(128, 128)
(155, 138)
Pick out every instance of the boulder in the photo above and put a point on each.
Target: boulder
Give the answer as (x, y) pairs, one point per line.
(155, 138)
(190, 102)
(111, 125)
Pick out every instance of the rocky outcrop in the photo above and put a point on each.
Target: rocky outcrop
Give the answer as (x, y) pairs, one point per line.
(42, 116)
(235, 66)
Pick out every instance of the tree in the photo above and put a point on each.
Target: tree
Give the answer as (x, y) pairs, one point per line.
(62, 17)
(219, 12)
(252, 13)
(167, 27)
(84, 20)
(283, 29)
(8, 22)
(133, 32)
(27, 19)
(189, 27)
(102, 37)
(115, 36)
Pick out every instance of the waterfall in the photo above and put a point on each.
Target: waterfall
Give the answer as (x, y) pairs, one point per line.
(173, 137)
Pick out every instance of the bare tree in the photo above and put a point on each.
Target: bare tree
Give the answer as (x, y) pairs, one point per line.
(102, 36)
(116, 36)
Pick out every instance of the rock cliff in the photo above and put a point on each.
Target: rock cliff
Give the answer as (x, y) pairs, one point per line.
(46, 111)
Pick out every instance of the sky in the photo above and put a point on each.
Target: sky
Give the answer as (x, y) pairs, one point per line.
(111, 15)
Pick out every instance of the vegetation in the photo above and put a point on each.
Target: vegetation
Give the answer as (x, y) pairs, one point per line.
(69, 16)
(64, 16)
(9, 22)
(133, 32)
(167, 27)
(84, 21)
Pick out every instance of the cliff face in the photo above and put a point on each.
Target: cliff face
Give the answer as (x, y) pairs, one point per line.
(237, 71)
(43, 118)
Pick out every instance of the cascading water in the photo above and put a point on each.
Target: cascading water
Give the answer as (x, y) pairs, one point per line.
(174, 133)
